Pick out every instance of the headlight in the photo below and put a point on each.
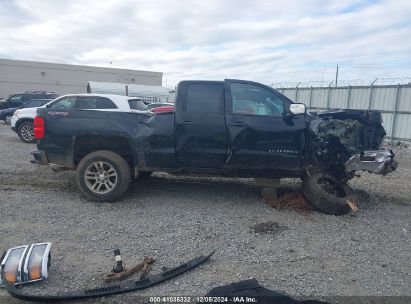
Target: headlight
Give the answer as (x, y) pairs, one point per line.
(24, 264)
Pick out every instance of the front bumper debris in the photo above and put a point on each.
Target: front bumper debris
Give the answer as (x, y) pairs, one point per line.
(112, 289)
(378, 162)
(25, 264)
(40, 158)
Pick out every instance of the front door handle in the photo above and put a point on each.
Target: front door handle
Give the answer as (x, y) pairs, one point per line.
(237, 123)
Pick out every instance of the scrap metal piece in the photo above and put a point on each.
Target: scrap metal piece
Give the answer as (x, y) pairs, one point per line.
(145, 267)
(26, 264)
(378, 162)
(109, 289)
(352, 204)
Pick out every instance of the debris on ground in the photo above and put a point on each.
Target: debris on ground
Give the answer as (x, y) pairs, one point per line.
(144, 267)
(25, 264)
(352, 204)
(253, 290)
(108, 290)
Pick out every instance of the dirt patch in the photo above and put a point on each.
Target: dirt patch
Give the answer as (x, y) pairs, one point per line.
(268, 228)
(293, 200)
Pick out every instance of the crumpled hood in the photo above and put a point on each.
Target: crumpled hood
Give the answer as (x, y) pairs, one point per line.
(356, 130)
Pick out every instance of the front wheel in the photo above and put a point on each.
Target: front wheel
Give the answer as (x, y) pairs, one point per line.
(326, 194)
(26, 132)
(103, 176)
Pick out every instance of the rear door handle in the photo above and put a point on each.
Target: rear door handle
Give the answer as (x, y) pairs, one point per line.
(237, 123)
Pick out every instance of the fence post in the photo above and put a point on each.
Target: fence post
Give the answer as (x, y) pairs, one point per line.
(349, 97)
(328, 97)
(311, 95)
(394, 119)
(370, 99)
(371, 89)
(296, 92)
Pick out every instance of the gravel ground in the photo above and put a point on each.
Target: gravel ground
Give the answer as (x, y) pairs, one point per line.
(307, 255)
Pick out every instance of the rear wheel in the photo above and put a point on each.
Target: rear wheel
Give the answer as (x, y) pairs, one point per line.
(326, 194)
(26, 131)
(103, 176)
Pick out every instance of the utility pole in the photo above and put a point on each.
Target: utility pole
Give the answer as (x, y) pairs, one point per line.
(336, 77)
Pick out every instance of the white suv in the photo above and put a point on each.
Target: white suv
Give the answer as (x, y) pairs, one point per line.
(22, 120)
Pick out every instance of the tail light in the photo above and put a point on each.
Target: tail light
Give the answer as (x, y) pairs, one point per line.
(163, 109)
(38, 127)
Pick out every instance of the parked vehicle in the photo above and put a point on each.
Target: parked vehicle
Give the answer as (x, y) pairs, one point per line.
(6, 114)
(22, 120)
(17, 100)
(159, 104)
(228, 128)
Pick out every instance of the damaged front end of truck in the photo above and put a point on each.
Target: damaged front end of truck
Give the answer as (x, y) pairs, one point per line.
(340, 143)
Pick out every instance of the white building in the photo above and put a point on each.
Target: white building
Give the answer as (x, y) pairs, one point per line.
(18, 76)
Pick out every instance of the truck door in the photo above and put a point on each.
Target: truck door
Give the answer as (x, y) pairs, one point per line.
(263, 135)
(200, 135)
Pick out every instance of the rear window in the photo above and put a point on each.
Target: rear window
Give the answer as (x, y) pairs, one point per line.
(205, 98)
(137, 104)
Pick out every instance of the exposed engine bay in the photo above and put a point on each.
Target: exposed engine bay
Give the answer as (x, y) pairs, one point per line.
(345, 141)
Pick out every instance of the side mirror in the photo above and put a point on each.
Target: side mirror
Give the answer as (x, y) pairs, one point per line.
(297, 108)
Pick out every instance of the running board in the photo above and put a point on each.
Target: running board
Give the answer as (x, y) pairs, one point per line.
(109, 289)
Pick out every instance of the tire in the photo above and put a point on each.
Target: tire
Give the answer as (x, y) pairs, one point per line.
(108, 175)
(26, 131)
(331, 201)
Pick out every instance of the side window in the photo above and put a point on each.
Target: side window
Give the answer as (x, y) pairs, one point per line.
(255, 100)
(104, 103)
(33, 104)
(27, 97)
(205, 98)
(64, 103)
(15, 98)
(85, 103)
(94, 102)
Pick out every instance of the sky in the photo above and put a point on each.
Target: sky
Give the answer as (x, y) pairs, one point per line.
(262, 40)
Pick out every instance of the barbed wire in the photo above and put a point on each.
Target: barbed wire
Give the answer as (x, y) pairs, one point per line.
(343, 83)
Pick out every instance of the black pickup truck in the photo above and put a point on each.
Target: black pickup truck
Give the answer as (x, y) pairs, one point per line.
(230, 128)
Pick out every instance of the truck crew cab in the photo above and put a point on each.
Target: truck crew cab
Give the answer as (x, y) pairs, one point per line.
(228, 128)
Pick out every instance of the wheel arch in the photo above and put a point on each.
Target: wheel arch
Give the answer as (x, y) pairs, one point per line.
(21, 120)
(86, 144)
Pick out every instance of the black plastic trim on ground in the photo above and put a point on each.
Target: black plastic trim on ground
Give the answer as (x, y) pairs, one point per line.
(110, 289)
